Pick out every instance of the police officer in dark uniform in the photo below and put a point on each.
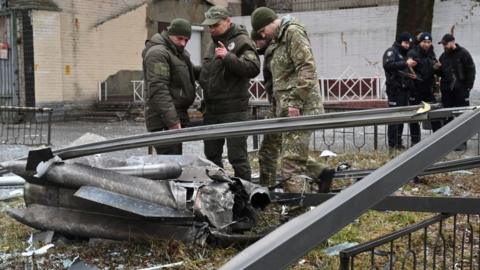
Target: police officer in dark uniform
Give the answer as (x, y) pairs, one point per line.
(398, 81)
(457, 72)
(458, 75)
(424, 80)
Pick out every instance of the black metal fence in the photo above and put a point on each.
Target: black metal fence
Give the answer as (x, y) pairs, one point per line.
(364, 138)
(25, 125)
(294, 239)
(442, 242)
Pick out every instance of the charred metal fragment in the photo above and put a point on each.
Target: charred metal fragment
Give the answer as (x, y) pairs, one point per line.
(77, 175)
(103, 203)
(163, 171)
(89, 224)
(130, 204)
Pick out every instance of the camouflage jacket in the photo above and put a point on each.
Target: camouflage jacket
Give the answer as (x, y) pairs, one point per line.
(267, 71)
(225, 82)
(295, 81)
(170, 83)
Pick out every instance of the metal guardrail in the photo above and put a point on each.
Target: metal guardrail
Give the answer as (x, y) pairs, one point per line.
(295, 238)
(245, 128)
(25, 125)
(454, 205)
(447, 242)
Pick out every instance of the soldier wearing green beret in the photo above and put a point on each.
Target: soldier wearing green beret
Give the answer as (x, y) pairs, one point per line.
(297, 92)
(229, 63)
(169, 80)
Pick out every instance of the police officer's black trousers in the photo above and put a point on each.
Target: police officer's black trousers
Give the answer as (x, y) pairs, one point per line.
(455, 98)
(416, 98)
(396, 98)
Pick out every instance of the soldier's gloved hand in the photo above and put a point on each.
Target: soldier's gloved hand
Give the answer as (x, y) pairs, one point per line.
(176, 126)
(293, 112)
(221, 52)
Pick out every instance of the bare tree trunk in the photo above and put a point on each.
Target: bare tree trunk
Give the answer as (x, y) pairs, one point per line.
(248, 6)
(415, 16)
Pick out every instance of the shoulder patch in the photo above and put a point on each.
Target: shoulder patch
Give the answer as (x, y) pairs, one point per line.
(389, 53)
(161, 69)
(300, 55)
(231, 46)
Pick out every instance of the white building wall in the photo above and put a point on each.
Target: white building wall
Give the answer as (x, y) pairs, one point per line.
(83, 44)
(47, 57)
(357, 38)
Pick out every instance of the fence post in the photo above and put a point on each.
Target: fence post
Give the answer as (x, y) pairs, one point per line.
(49, 129)
(255, 137)
(344, 261)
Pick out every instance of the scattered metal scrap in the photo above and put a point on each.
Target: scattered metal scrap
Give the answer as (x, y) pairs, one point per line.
(140, 202)
(201, 202)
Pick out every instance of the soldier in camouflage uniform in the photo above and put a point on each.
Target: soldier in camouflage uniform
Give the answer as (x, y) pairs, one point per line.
(297, 92)
(271, 145)
(170, 81)
(230, 61)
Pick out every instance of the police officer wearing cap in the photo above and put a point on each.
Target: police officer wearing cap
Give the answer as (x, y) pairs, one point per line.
(457, 72)
(424, 79)
(457, 75)
(398, 82)
(230, 61)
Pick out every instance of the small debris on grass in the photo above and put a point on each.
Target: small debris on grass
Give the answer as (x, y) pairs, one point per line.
(445, 190)
(78, 264)
(170, 265)
(44, 237)
(302, 262)
(7, 194)
(41, 251)
(462, 172)
(327, 153)
(335, 250)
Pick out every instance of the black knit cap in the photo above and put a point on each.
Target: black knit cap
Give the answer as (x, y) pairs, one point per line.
(262, 17)
(405, 36)
(424, 36)
(180, 27)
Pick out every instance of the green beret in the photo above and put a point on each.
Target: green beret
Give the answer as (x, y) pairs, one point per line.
(179, 27)
(262, 17)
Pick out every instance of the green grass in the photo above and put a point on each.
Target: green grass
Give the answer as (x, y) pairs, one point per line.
(111, 254)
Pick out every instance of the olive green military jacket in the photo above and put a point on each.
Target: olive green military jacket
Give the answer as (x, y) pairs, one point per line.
(295, 81)
(225, 82)
(170, 83)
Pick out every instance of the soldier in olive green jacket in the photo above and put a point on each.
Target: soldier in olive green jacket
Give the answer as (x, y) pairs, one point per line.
(229, 63)
(297, 92)
(170, 81)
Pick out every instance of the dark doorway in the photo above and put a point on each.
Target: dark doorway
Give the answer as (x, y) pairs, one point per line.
(28, 60)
